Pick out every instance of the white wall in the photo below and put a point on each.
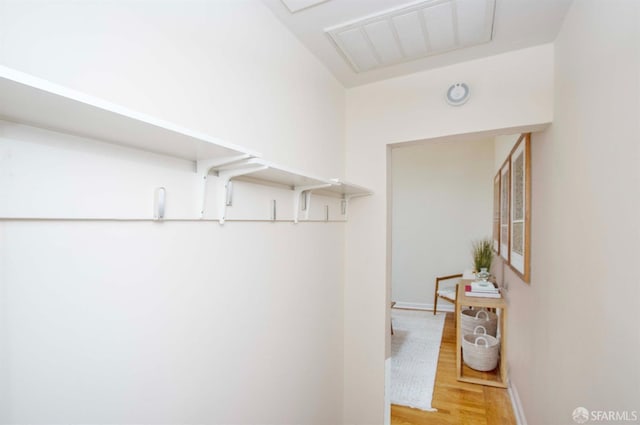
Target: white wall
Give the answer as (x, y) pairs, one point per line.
(442, 201)
(573, 332)
(175, 322)
(171, 323)
(509, 90)
(227, 67)
(502, 148)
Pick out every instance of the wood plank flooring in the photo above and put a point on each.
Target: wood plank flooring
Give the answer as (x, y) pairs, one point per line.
(457, 402)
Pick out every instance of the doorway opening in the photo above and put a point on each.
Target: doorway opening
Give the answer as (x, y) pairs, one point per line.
(440, 199)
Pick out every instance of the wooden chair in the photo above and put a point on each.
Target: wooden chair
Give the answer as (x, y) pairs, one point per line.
(392, 304)
(447, 293)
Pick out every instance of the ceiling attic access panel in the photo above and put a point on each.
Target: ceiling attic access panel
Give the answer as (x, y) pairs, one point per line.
(413, 31)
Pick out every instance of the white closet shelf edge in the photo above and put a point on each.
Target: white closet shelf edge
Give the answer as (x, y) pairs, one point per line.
(30, 100)
(345, 189)
(271, 173)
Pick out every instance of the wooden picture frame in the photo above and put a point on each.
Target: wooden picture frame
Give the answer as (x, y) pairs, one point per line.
(496, 213)
(520, 207)
(505, 222)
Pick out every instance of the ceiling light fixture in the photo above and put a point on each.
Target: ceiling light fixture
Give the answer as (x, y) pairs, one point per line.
(458, 94)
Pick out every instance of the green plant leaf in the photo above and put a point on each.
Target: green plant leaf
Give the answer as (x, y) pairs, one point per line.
(482, 250)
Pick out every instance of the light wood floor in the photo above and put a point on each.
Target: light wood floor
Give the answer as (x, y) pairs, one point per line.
(457, 402)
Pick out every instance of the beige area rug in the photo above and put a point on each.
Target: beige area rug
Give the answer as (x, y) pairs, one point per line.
(415, 346)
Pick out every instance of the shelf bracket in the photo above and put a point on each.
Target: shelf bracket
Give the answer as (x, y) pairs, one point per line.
(223, 184)
(305, 191)
(203, 169)
(344, 204)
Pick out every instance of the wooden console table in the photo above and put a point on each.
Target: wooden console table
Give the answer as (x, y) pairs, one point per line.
(494, 379)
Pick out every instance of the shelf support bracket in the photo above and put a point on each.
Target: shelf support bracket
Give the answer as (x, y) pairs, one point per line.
(344, 204)
(223, 186)
(203, 169)
(305, 191)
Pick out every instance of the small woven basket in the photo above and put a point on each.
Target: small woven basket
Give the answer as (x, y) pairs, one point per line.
(469, 319)
(480, 351)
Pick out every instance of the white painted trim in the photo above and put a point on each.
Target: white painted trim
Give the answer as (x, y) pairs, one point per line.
(387, 391)
(446, 306)
(518, 411)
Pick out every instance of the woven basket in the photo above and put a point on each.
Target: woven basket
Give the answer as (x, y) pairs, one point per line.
(469, 319)
(480, 351)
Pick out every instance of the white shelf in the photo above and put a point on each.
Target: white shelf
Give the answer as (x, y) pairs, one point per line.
(260, 171)
(283, 176)
(267, 172)
(30, 100)
(344, 190)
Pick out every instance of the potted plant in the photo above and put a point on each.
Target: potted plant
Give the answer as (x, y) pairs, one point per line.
(482, 251)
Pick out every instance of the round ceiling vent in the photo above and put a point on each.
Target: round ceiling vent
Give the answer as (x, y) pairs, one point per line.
(458, 94)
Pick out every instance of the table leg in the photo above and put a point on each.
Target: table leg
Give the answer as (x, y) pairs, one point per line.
(458, 336)
(503, 347)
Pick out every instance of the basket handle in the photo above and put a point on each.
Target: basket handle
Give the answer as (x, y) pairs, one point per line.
(481, 338)
(484, 330)
(485, 313)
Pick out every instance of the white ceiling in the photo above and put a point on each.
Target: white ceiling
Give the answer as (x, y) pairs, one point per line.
(518, 24)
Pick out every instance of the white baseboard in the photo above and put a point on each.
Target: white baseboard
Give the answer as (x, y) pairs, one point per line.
(516, 404)
(423, 306)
